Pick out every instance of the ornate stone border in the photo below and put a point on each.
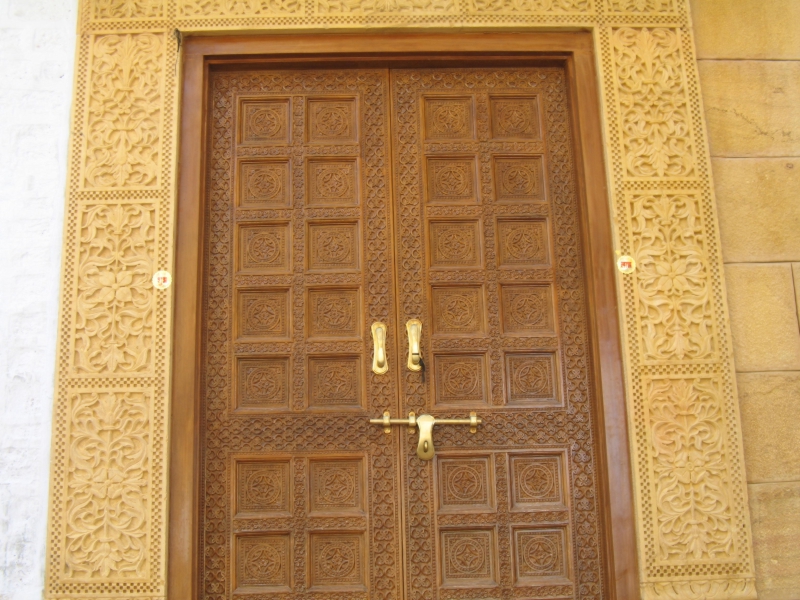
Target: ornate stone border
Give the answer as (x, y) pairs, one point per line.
(108, 514)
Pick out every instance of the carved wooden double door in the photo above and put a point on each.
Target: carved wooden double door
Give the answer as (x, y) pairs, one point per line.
(340, 198)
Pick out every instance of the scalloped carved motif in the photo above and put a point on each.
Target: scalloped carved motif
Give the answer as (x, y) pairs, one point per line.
(127, 9)
(107, 532)
(124, 112)
(693, 515)
(676, 312)
(368, 7)
(114, 321)
(530, 6)
(657, 139)
(238, 8)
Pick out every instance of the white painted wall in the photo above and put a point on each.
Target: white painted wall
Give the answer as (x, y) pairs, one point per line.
(37, 48)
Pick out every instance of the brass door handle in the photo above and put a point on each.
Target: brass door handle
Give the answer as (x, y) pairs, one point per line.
(379, 363)
(425, 423)
(414, 329)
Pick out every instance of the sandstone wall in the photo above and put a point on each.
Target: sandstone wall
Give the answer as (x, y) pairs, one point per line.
(749, 61)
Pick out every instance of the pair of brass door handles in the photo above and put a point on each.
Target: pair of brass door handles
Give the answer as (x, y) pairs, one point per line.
(380, 363)
(425, 423)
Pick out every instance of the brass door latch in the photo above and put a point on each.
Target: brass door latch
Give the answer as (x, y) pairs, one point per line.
(425, 423)
(379, 362)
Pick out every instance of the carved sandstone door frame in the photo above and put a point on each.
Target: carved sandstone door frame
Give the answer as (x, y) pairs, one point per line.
(572, 50)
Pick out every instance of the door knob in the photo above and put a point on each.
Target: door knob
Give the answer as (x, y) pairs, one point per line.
(379, 363)
(414, 329)
(425, 423)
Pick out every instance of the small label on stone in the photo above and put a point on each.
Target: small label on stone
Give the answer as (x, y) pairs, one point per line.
(626, 264)
(162, 280)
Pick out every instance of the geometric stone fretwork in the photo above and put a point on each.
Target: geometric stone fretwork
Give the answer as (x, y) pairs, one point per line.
(122, 171)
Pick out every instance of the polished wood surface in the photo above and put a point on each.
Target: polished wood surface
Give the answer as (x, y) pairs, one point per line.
(513, 329)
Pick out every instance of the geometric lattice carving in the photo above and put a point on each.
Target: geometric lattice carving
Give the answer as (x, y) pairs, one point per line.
(540, 553)
(123, 136)
(536, 481)
(460, 378)
(515, 117)
(465, 483)
(336, 486)
(455, 244)
(331, 121)
(468, 557)
(114, 309)
(337, 561)
(518, 178)
(262, 487)
(448, 118)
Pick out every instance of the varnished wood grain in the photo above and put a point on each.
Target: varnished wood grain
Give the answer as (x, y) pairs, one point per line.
(573, 52)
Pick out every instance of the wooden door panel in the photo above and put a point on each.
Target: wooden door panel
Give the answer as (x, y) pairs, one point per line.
(300, 496)
(488, 247)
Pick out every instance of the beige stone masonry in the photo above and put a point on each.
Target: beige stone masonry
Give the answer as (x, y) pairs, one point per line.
(763, 317)
(756, 29)
(776, 529)
(758, 200)
(770, 405)
(751, 107)
(109, 481)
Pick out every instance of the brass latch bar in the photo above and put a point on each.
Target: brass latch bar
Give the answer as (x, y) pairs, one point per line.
(425, 423)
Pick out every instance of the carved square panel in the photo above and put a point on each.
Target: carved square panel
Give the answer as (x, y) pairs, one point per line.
(532, 378)
(332, 182)
(264, 184)
(449, 118)
(337, 486)
(264, 121)
(460, 379)
(262, 383)
(451, 179)
(468, 557)
(455, 244)
(332, 120)
(263, 562)
(333, 246)
(334, 313)
(515, 117)
(465, 483)
(537, 481)
(337, 560)
(264, 248)
(263, 487)
(519, 178)
(522, 242)
(541, 555)
(457, 310)
(527, 309)
(334, 382)
(263, 314)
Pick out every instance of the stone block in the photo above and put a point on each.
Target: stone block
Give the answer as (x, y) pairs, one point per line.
(747, 28)
(751, 107)
(796, 274)
(763, 317)
(775, 516)
(770, 444)
(758, 202)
